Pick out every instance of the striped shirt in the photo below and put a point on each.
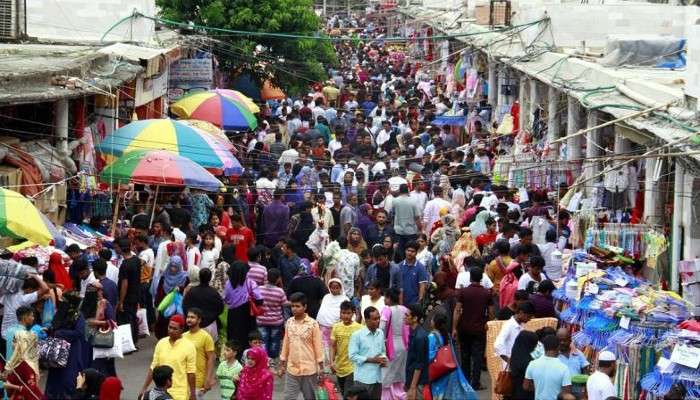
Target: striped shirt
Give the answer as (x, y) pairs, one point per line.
(273, 299)
(257, 273)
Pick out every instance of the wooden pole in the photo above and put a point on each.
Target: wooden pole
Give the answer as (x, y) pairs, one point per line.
(155, 202)
(115, 217)
(603, 125)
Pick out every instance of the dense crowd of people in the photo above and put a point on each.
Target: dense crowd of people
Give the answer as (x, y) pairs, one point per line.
(361, 243)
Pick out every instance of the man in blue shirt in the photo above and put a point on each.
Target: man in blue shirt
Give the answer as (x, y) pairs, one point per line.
(547, 376)
(414, 277)
(571, 357)
(417, 359)
(368, 355)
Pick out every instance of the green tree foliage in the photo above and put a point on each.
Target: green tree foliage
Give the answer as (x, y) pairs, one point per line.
(292, 63)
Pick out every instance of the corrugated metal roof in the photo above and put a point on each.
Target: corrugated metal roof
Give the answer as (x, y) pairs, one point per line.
(567, 73)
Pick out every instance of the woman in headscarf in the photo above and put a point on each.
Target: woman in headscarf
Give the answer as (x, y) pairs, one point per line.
(238, 293)
(304, 179)
(255, 381)
(525, 343)
(193, 277)
(89, 385)
(465, 247)
(388, 246)
(356, 243)
(329, 312)
(69, 325)
(445, 237)
(60, 274)
(303, 230)
(22, 382)
(459, 202)
(111, 389)
(479, 225)
(452, 385)
(173, 278)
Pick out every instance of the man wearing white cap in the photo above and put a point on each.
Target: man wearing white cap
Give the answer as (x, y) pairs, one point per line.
(600, 385)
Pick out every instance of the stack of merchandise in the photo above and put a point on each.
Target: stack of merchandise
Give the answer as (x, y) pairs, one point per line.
(678, 363)
(610, 309)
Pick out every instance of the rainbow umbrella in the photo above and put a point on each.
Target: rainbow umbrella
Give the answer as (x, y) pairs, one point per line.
(20, 219)
(211, 129)
(205, 149)
(218, 107)
(159, 167)
(239, 96)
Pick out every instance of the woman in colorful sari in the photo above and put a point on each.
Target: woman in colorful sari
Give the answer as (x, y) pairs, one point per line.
(452, 385)
(22, 371)
(396, 332)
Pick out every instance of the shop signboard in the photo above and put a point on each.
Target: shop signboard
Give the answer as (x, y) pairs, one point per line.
(187, 74)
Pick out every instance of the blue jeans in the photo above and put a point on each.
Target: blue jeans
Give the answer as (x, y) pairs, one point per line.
(272, 336)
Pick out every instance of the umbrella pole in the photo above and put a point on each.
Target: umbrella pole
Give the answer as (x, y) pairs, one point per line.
(155, 202)
(115, 217)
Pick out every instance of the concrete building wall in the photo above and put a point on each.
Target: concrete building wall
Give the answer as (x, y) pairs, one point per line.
(692, 81)
(85, 20)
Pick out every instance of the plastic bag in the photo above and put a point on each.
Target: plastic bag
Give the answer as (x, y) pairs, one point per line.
(47, 313)
(167, 301)
(123, 333)
(175, 307)
(115, 351)
(142, 318)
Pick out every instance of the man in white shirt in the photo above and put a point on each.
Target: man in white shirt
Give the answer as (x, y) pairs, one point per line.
(86, 276)
(432, 209)
(384, 135)
(290, 155)
(600, 385)
(511, 329)
(464, 280)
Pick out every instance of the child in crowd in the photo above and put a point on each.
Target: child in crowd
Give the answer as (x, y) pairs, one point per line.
(229, 369)
(193, 255)
(340, 338)
(256, 380)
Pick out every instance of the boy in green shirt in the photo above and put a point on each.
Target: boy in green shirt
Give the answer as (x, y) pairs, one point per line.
(340, 338)
(228, 370)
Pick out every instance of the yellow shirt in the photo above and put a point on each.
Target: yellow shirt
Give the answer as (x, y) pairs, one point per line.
(340, 334)
(301, 346)
(181, 358)
(203, 343)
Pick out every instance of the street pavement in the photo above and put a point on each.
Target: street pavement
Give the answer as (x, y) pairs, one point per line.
(132, 371)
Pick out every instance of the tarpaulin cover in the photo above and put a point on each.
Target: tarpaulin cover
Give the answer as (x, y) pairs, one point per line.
(647, 50)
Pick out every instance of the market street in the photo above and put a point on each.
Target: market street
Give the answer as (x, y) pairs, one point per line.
(349, 200)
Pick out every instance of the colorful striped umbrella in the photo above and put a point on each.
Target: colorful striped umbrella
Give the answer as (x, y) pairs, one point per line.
(239, 96)
(20, 219)
(205, 149)
(159, 167)
(224, 108)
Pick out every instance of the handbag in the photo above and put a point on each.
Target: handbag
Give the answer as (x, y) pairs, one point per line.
(53, 352)
(255, 309)
(443, 363)
(504, 383)
(103, 338)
